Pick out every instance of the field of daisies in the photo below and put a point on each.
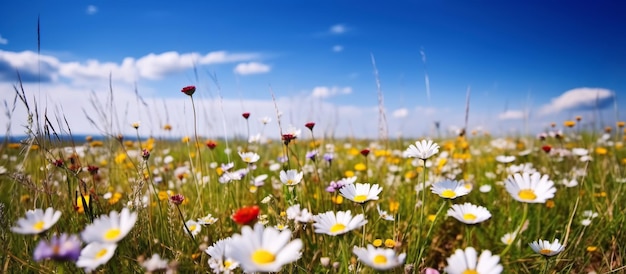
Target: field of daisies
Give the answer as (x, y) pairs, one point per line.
(294, 202)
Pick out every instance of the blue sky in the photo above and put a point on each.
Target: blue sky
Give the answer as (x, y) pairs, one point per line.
(544, 60)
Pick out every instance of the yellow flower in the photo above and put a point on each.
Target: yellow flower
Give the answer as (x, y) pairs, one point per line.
(24, 198)
(377, 242)
(185, 139)
(411, 174)
(120, 158)
(393, 207)
(14, 145)
(601, 151)
(354, 152)
(621, 124)
(167, 127)
(432, 217)
(96, 144)
(569, 123)
(360, 167)
(592, 248)
(348, 173)
(390, 243)
(129, 143)
(550, 204)
(337, 199)
(79, 203)
(34, 147)
(601, 194)
(163, 195)
(624, 161)
(115, 198)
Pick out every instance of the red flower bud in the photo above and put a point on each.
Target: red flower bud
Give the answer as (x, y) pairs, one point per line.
(189, 90)
(365, 152)
(211, 144)
(546, 148)
(246, 115)
(310, 125)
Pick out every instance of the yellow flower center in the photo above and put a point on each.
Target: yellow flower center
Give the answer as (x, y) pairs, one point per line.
(469, 217)
(360, 198)
(337, 228)
(247, 159)
(38, 225)
(263, 256)
(112, 234)
(448, 193)
(101, 253)
(227, 264)
(192, 228)
(289, 182)
(380, 259)
(527, 194)
(545, 251)
(470, 271)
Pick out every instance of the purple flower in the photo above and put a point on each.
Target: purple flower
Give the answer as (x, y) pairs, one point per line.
(60, 248)
(332, 187)
(282, 159)
(329, 157)
(311, 155)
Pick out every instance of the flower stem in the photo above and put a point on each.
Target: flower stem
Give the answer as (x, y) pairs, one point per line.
(519, 231)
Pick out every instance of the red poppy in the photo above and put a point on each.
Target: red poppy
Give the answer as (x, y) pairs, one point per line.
(246, 215)
(287, 137)
(189, 90)
(211, 144)
(546, 148)
(365, 152)
(246, 115)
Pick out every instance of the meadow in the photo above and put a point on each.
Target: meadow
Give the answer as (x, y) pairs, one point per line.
(299, 202)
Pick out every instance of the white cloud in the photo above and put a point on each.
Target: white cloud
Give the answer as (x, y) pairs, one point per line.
(251, 68)
(151, 66)
(325, 92)
(3, 41)
(91, 10)
(425, 110)
(400, 113)
(337, 48)
(579, 98)
(338, 29)
(512, 115)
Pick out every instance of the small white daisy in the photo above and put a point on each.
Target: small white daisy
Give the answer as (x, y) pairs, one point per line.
(530, 188)
(508, 238)
(449, 189)
(249, 157)
(294, 213)
(37, 221)
(339, 223)
(422, 149)
(207, 220)
(110, 228)
(485, 188)
(291, 177)
(469, 213)
(360, 193)
(218, 261)
(383, 214)
(95, 254)
(379, 258)
(545, 248)
(467, 261)
(155, 263)
(505, 159)
(264, 249)
(194, 227)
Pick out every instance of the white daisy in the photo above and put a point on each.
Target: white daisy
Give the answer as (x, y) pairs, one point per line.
(449, 189)
(545, 248)
(264, 249)
(155, 263)
(467, 261)
(218, 261)
(505, 159)
(422, 149)
(379, 258)
(37, 221)
(110, 228)
(383, 214)
(249, 157)
(530, 188)
(207, 220)
(360, 193)
(294, 213)
(95, 254)
(508, 238)
(194, 227)
(469, 213)
(339, 223)
(291, 177)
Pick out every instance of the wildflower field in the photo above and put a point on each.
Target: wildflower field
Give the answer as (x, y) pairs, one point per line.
(298, 202)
